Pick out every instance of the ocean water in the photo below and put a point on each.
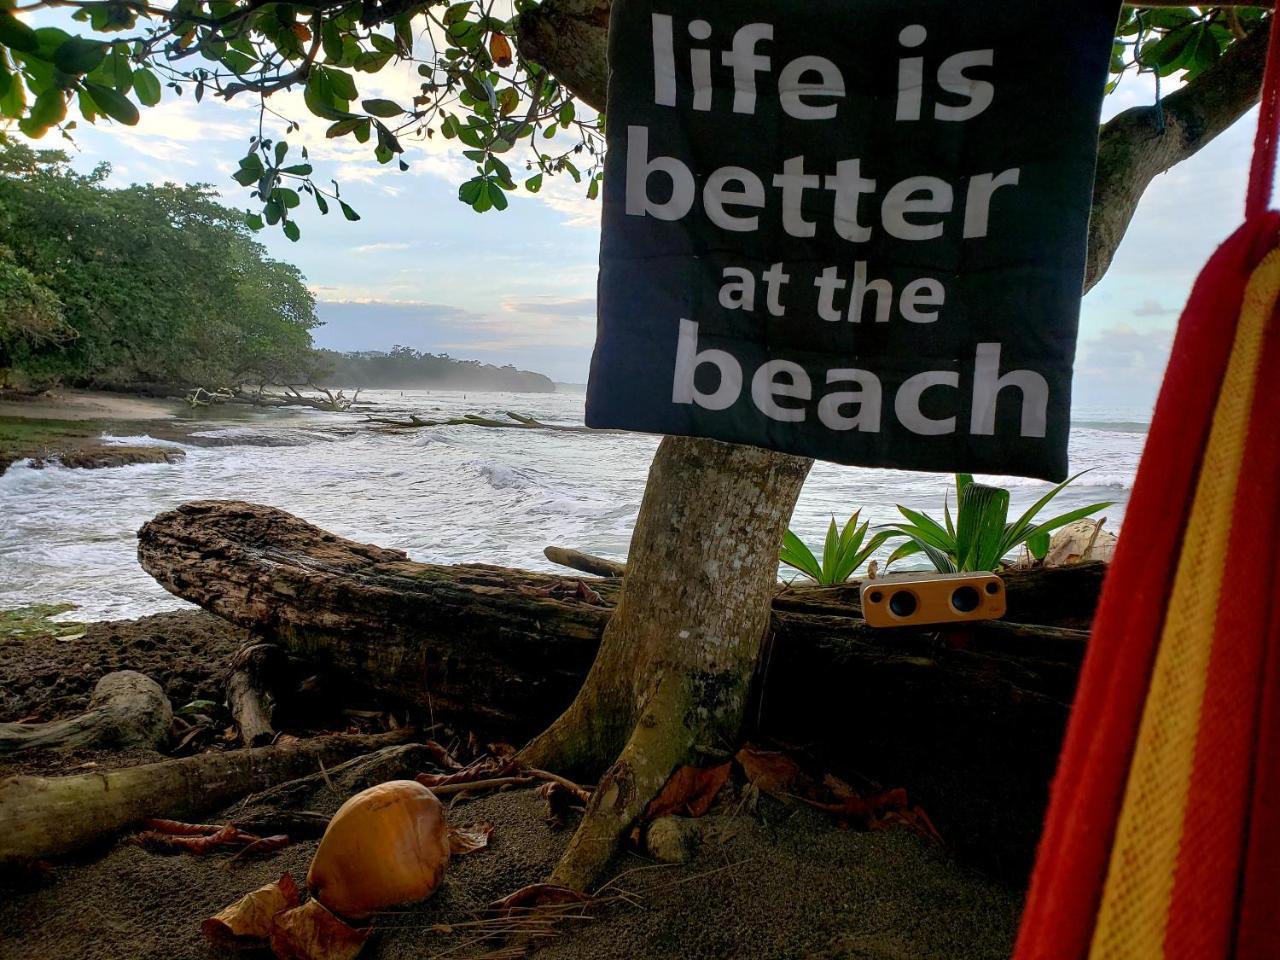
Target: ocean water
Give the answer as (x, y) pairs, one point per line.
(445, 494)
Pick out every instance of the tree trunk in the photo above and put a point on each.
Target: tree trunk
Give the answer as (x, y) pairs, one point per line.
(669, 686)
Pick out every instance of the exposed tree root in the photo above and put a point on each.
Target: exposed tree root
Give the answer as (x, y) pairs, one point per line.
(126, 710)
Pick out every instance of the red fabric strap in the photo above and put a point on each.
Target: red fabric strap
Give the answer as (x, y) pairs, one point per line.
(1263, 171)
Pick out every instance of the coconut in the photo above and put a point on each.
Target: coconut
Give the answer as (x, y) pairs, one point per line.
(385, 846)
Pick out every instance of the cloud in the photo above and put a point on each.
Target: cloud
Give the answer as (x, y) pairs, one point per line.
(1122, 365)
(382, 247)
(1152, 308)
(553, 306)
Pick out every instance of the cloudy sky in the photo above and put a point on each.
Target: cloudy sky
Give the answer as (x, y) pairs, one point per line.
(422, 269)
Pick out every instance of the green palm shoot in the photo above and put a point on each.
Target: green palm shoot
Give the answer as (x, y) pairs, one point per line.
(981, 536)
(844, 551)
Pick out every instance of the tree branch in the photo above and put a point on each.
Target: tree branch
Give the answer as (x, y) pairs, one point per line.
(569, 38)
(1133, 149)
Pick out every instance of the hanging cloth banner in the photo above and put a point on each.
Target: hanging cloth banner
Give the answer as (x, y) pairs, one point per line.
(1163, 835)
(850, 229)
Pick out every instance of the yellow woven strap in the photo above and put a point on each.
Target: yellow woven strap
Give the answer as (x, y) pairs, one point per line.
(1135, 900)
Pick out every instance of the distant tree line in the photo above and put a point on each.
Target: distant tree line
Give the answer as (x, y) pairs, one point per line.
(162, 285)
(138, 284)
(405, 369)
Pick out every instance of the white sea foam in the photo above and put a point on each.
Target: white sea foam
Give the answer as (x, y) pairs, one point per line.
(443, 494)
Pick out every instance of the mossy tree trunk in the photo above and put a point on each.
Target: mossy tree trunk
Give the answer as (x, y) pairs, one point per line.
(670, 678)
(669, 686)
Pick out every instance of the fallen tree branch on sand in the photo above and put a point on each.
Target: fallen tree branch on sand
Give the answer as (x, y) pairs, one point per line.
(970, 720)
(516, 421)
(48, 816)
(127, 711)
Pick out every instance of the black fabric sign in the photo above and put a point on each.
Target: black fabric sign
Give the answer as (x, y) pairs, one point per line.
(851, 229)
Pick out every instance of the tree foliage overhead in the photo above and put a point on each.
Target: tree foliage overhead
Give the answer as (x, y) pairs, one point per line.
(139, 284)
(475, 87)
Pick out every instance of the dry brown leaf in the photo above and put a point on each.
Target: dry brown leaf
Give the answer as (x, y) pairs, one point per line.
(263, 848)
(562, 800)
(487, 769)
(464, 840)
(164, 842)
(536, 895)
(441, 755)
(769, 771)
(247, 922)
(310, 932)
(500, 50)
(690, 792)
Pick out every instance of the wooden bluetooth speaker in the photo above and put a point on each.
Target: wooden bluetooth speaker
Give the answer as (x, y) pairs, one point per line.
(914, 599)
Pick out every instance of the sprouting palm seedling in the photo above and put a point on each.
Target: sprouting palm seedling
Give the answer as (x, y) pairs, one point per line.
(844, 551)
(981, 536)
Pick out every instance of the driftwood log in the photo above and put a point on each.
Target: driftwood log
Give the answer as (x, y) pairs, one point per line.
(127, 710)
(250, 696)
(577, 560)
(48, 816)
(970, 720)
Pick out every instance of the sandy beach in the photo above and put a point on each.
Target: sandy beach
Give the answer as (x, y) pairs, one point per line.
(88, 405)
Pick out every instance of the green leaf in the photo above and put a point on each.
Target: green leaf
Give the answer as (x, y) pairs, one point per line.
(497, 196)
(343, 127)
(79, 55)
(14, 102)
(331, 41)
(1069, 517)
(341, 84)
(292, 231)
(321, 202)
(469, 192)
(980, 527)
(347, 211)
(830, 551)
(929, 529)
(113, 104)
(16, 35)
(281, 149)
(482, 90)
(1038, 544)
(298, 170)
(907, 549)
(1015, 534)
(251, 170)
(253, 221)
(534, 183)
(49, 109)
(147, 86)
(566, 114)
(382, 108)
(456, 12)
(796, 554)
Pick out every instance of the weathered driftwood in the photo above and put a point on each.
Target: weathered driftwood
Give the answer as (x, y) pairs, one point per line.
(514, 421)
(249, 691)
(969, 719)
(48, 816)
(577, 560)
(127, 710)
